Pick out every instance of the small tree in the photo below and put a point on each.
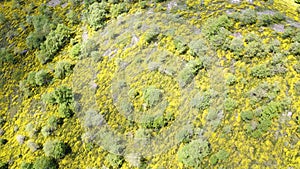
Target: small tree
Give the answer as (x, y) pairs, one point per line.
(56, 149)
(45, 163)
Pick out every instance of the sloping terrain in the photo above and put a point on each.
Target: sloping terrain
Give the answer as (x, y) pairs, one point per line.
(149, 84)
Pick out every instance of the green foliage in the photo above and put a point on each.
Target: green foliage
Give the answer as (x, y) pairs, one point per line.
(265, 20)
(193, 153)
(153, 121)
(65, 110)
(264, 93)
(42, 77)
(247, 115)
(54, 42)
(248, 17)
(97, 15)
(255, 49)
(56, 149)
(237, 46)
(45, 163)
(114, 161)
(260, 71)
(152, 96)
(185, 134)
(197, 48)
(93, 119)
(201, 101)
(62, 69)
(295, 49)
(151, 34)
(25, 165)
(297, 1)
(2, 120)
(297, 67)
(76, 50)
(47, 130)
(118, 9)
(6, 56)
(221, 155)
(42, 27)
(187, 74)
(230, 104)
(231, 80)
(180, 45)
(3, 165)
(297, 88)
(60, 95)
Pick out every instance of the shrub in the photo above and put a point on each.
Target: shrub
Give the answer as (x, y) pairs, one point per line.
(213, 26)
(255, 49)
(6, 56)
(201, 101)
(93, 119)
(42, 27)
(230, 104)
(3, 165)
(151, 34)
(288, 32)
(231, 80)
(219, 156)
(47, 130)
(54, 41)
(297, 1)
(295, 49)
(152, 96)
(153, 121)
(297, 67)
(264, 20)
(197, 48)
(114, 161)
(248, 17)
(25, 165)
(185, 134)
(297, 88)
(237, 46)
(247, 115)
(260, 71)
(97, 15)
(180, 45)
(62, 95)
(56, 149)
(193, 153)
(45, 163)
(264, 92)
(32, 145)
(117, 9)
(65, 110)
(31, 130)
(2, 120)
(42, 77)
(187, 74)
(62, 69)
(76, 50)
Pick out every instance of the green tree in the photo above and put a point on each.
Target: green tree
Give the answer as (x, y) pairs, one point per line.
(45, 163)
(56, 149)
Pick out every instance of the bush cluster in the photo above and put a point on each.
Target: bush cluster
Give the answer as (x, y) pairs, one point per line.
(45, 163)
(55, 149)
(187, 74)
(62, 96)
(193, 153)
(54, 42)
(221, 155)
(62, 69)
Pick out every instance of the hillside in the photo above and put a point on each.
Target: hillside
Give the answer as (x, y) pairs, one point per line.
(149, 84)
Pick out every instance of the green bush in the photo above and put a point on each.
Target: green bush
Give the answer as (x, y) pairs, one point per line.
(6, 56)
(62, 95)
(297, 1)
(62, 69)
(265, 20)
(193, 153)
(45, 163)
(151, 34)
(65, 110)
(2, 120)
(255, 49)
(153, 121)
(42, 27)
(187, 74)
(114, 161)
(76, 50)
(25, 165)
(117, 9)
(297, 67)
(42, 77)
(248, 17)
(197, 48)
(231, 80)
(185, 134)
(180, 45)
(264, 93)
(295, 49)
(288, 32)
(56, 149)
(3, 165)
(247, 115)
(201, 101)
(97, 15)
(221, 155)
(260, 71)
(152, 96)
(230, 104)
(54, 42)
(297, 88)
(237, 46)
